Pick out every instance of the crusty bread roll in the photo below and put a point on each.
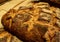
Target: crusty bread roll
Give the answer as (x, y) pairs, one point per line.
(37, 23)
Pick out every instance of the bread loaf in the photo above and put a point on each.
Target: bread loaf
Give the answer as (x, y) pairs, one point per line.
(37, 23)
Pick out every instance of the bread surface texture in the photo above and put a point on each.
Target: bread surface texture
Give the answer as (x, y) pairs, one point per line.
(38, 22)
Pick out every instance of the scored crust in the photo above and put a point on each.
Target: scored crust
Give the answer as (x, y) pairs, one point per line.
(38, 23)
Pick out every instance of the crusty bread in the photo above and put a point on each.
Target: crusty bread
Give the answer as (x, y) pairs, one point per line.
(37, 23)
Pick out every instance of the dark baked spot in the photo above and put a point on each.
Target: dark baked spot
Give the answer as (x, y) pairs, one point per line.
(23, 17)
(8, 18)
(41, 28)
(54, 12)
(52, 29)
